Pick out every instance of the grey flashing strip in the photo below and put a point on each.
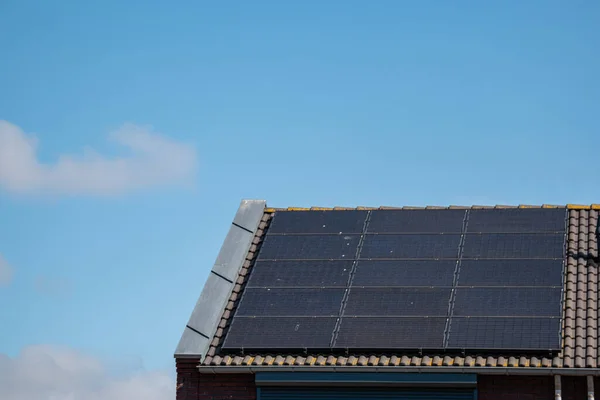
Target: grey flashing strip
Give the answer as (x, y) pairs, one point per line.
(463, 370)
(202, 325)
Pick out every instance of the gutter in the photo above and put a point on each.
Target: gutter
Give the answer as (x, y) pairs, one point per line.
(421, 370)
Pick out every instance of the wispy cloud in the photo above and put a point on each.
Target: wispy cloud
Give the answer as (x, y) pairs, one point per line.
(59, 373)
(155, 160)
(6, 272)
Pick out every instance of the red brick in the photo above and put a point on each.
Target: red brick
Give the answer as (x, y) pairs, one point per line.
(192, 385)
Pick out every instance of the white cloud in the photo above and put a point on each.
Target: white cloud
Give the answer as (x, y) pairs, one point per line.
(6, 272)
(56, 373)
(154, 160)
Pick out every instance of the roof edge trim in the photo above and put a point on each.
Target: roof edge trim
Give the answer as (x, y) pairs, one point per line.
(462, 370)
(204, 320)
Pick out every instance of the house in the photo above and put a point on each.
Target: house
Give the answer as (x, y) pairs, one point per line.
(398, 303)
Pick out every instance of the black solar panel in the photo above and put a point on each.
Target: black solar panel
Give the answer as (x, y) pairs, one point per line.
(502, 245)
(532, 272)
(309, 247)
(400, 278)
(321, 273)
(410, 246)
(404, 273)
(279, 333)
(318, 222)
(508, 302)
(504, 333)
(290, 302)
(416, 221)
(432, 302)
(528, 220)
(391, 333)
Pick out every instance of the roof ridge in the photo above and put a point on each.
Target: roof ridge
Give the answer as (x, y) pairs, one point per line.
(430, 207)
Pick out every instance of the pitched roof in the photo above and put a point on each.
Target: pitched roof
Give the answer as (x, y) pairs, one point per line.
(581, 319)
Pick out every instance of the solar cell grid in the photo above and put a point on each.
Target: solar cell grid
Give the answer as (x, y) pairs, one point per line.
(502, 245)
(416, 221)
(424, 246)
(508, 277)
(322, 273)
(398, 302)
(522, 220)
(494, 301)
(279, 333)
(404, 273)
(504, 333)
(529, 272)
(318, 222)
(290, 302)
(309, 247)
(391, 333)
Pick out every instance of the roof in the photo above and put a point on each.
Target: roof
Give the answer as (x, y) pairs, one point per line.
(581, 319)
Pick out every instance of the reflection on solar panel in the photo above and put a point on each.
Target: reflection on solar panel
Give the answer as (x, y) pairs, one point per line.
(405, 279)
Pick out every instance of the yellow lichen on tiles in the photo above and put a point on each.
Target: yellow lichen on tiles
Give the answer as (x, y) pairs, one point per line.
(298, 209)
(528, 206)
(270, 210)
(551, 206)
(595, 206)
(578, 207)
(321, 209)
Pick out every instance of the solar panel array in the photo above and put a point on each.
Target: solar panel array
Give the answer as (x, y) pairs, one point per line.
(488, 279)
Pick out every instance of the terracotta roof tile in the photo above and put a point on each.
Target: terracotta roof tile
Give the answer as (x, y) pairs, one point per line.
(581, 319)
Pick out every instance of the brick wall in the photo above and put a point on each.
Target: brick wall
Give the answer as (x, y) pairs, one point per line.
(191, 385)
(492, 387)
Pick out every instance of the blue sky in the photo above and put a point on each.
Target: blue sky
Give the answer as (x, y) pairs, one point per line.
(299, 103)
